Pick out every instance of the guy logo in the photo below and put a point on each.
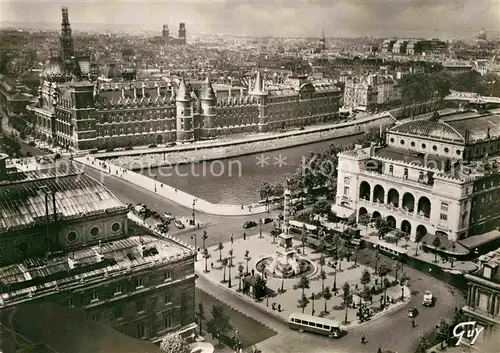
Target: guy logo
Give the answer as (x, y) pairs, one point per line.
(467, 330)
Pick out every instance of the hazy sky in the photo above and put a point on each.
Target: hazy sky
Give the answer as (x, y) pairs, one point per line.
(438, 18)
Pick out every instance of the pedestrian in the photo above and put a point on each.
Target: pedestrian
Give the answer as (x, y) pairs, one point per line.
(379, 350)
(198, 225)
(212, 265)
(279, 308)
(413, 323)
(232, 239)
(363, 339)
(244, 236)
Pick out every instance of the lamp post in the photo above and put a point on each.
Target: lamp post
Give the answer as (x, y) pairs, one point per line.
(229, 268)
(195, 237)
(402, 292)
(267, 300)
(260, 227)
(194, 211)
(156, 178)
(335, 276)
(416, 249)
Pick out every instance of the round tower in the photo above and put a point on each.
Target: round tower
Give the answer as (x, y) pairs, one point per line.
(184, 114)
(261, 94)
(208, 110)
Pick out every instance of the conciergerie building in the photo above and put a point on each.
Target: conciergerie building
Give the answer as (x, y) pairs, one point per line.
(431, 177)
(65, 239)
(77, 112)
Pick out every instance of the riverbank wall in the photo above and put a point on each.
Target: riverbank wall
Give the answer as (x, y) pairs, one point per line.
(240, 148)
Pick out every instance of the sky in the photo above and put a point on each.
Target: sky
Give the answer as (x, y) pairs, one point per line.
(289, 18)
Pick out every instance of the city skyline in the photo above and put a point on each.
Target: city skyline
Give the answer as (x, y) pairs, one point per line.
(257, 18)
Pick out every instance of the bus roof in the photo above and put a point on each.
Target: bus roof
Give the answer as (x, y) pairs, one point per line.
(393, 247)
(319, 320)
(300, 224)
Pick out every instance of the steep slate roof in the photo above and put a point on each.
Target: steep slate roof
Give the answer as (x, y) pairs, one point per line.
(22, 198)
(432, 129)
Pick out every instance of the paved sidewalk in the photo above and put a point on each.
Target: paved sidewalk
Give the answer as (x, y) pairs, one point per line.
(177, 196)
(410, 248)
(260, 248)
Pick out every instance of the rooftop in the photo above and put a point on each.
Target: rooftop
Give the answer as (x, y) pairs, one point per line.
(433, 129)
(403, 155)
(39, 274)
(22, 196)
(478, 127)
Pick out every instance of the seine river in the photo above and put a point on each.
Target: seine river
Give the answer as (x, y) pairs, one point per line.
(238, 180)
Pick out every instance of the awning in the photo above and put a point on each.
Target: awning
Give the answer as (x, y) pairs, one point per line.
(478, 240)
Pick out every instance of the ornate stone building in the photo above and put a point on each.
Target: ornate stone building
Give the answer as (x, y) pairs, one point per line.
(65, 239)
(432, 177)
(80, 114)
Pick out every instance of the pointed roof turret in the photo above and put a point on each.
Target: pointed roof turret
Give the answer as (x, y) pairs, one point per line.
(207, 92)
(183, 92)
(258, 88)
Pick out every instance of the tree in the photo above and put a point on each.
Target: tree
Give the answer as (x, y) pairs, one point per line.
(399, 235)
(201, 316)
(365, 278)
(327, 295)
(303, 238)
(398, 266)
(220, 322)
(322, 208)
(303, 284)
(247, 258)
(260, 287)
(404, 278)
(174, 343)
(303, 302)
(382, 271)
(266, 191)
(383, 227)
(364, 220)
(240, 274)
(423, 345)
(342, 253)
(206, 256)
(346, 298)
(436, 243)
(366, 294)
(443, 331)
(220, 247)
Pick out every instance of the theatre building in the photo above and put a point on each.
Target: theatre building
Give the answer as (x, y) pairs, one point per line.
(430, 177)
(65, 239)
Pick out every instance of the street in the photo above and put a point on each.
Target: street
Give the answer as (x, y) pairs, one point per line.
(391, 331)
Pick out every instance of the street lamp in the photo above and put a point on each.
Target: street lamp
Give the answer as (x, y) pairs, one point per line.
(156, 178)
(416, 249)
(194, 217)
(267, 300)
(260, 227)
(230, 263)
(335, 276)
(195, 237)
(402, 292)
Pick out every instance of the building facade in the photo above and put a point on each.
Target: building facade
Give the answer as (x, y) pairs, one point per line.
(65, 239)
(431, 177)
(367, 92)
(483, 303)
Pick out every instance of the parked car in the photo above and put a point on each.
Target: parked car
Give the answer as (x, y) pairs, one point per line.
(110, 150)
(94, 151)
(168, 216)
(250, 224)
(171, 144)
(129, 148)
(275, 232)
(179, 224)
(428, 298)
(412, 312)
(153, 145)
(268, 220)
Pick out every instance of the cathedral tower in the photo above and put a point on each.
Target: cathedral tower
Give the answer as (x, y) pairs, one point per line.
(66, 40)
(208, 110)
(182, 33)
(261, 94)
(184, 113)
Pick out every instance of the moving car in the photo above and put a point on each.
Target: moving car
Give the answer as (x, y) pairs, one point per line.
(179, 224)
(250, 224)
(412, 312)
(268, 220)
(428, 298)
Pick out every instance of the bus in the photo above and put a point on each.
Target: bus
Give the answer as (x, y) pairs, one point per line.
(392, 250)
(304, 322)
(296, 227)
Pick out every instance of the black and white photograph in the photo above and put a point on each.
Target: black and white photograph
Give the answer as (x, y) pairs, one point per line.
(249, 176)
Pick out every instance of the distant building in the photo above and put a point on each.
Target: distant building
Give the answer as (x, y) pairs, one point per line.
(456, 68)
(169, 40)
(414, 47)
(66, 239)
(14, 98)
(482, 35)
(367, 92)
(387, 45)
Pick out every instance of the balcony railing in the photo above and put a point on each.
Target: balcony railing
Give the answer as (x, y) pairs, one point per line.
(394, 209)
(403, 180)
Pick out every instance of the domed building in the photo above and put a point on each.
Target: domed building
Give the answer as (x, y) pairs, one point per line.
(429, 178)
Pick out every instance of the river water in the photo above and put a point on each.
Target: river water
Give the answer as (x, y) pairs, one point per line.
(238, 180)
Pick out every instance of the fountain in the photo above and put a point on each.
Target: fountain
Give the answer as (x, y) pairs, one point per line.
(285, 263)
